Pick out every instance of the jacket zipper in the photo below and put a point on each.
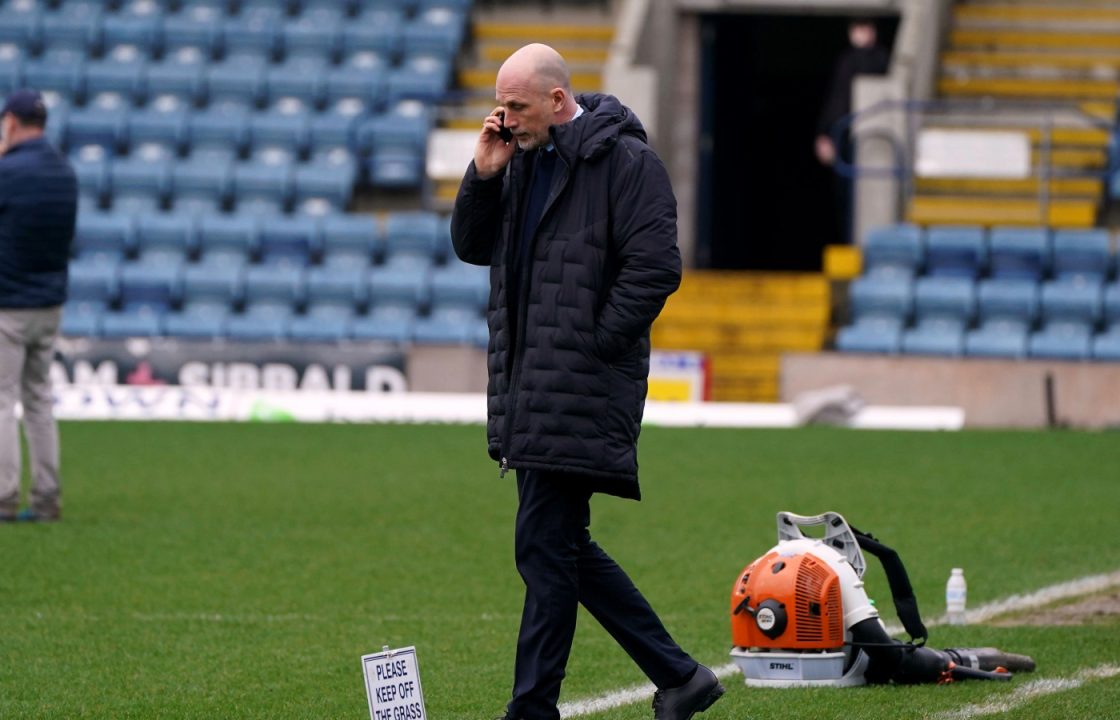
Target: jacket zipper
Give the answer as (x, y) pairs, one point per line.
(522, 305)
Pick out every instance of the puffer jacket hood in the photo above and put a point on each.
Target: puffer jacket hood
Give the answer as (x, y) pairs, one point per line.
(599, 129)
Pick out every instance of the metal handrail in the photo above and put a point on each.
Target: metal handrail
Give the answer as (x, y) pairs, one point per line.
(903, 149)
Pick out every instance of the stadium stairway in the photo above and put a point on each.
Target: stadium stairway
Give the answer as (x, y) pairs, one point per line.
(743, 322)
(582, 33)
(1046, 63)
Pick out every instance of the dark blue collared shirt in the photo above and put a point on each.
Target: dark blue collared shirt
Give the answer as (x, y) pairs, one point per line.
(38, 209)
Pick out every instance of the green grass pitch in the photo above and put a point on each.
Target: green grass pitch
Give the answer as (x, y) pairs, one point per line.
(240, 571)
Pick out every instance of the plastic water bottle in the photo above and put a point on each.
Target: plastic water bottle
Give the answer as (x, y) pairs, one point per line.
(956, 595)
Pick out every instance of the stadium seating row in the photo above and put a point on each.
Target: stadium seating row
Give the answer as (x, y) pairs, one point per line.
(995, 317)
(269, 29)
(971, 252)
(240, 78)
(338, 240)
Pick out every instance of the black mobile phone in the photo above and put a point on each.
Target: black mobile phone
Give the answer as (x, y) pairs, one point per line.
(504, 133)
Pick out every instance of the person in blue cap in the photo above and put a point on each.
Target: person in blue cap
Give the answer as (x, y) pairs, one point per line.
(38, 212)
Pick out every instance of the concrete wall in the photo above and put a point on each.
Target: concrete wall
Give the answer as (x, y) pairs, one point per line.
(993, 393)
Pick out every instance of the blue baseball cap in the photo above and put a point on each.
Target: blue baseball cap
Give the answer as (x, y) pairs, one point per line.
(27, 105)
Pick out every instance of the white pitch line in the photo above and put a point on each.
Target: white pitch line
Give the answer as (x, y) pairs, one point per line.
(1044, 596)
(1029, 691)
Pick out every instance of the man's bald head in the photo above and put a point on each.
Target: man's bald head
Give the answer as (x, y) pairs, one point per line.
(534, 91)
(537, 66)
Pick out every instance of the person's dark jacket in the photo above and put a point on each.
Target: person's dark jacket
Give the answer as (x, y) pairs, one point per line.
(874, 60)
(567, 387)
(38, 205)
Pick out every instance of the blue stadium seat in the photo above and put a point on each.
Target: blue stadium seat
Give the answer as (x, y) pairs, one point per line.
(231, 236)
(59, 70)
(138, 25)
(261, 321)
(163, 122)
(103, 122)
(145, 174)
(213, 283)
(21, 24)
(237, 80)
(396, 168)
(254, 31)
(399, 286)
(73, 26)
(362, 77)
(300, 77)
(1007, 309)
(997, 339)
(198, 320)
(93, 282)
(198, 27)
(447, 326)
(81, 320)
(1061, 340)
(222, 127)
(1008, 300)
(274, 283)
(1082, 254)
(268, 179)
(871, 334)
(422, 77)
(11, 66)
(955, 251)
(375, 30)
(335, 128)
(317, 33)
(893, 250)
(461, 285)
(150, 284)
(1072, 301)
(1069, 311)
(103, 234)
(350, 240)
(416, 231)
(332, 183)
(166, 231)
(91, 165)
(436, 30)
(182, 74)
(1112, 304)
(341, 285)
(201, 179)
(141, 322)
(881, 296)
(389, 322)
(407, 124)
(288, 240)
(285, 127)
(324, 322)
(1016, 252)
(943, 308)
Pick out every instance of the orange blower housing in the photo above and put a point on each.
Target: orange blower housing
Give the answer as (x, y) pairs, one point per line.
(787, 602)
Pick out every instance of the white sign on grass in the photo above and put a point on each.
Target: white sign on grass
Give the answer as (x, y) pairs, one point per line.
(393, 685)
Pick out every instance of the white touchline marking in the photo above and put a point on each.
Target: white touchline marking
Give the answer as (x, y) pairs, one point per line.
(1044, 596)
(1028, 691)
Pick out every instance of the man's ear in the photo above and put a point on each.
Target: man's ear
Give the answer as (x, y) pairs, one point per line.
(559, 97)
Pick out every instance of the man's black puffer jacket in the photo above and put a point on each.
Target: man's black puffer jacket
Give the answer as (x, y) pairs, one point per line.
(567, 388)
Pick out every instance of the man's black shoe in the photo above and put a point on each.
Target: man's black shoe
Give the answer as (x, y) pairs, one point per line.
(696, 695)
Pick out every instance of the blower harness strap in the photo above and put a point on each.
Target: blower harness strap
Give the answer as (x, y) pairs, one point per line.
(902, 592)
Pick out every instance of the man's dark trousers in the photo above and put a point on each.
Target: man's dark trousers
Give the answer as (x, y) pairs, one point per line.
(562, 567)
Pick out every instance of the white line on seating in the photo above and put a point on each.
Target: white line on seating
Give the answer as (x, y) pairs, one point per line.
(1044, 596)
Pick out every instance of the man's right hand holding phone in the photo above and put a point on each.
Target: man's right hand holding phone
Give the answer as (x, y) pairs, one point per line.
(493, 150)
